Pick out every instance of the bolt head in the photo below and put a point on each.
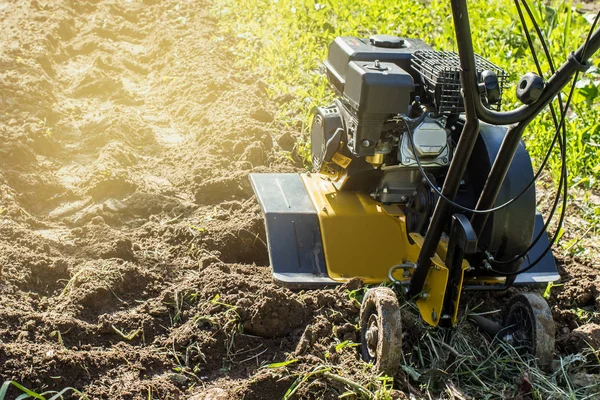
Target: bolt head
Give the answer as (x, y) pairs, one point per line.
(372, 336)
(367, 143)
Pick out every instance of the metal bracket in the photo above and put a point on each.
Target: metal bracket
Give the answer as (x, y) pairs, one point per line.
(579, 66)
(462, 238)
(462, 241)
(405, 267)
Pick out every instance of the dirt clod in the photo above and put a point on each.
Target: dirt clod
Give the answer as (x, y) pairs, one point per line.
(287, 141)
(211, 394)
(276, 314)
(583, 339)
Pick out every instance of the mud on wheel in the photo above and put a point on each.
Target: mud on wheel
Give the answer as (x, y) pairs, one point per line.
(381, 330)
(530, 327)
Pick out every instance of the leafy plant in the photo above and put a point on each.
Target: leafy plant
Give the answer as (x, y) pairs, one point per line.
(28, 394)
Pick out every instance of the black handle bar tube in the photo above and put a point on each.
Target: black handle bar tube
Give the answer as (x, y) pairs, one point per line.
(463, 150)
(554, 85)
(524, 116)
(475, 110)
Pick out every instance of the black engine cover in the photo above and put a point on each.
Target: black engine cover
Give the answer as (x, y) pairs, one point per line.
(345, 49)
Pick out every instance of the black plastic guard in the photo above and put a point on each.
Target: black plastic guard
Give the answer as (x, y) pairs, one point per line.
(293, 234)
(543, 272)
(296, 248)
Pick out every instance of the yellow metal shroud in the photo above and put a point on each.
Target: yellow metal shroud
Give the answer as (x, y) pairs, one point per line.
(364, 238)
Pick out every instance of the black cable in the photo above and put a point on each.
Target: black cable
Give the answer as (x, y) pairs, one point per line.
(546, 157)
(587, 41)
(528, 37)
(562, 180)
(563, 171)
(564, 198)
(564, 205)
(439, 193)
(459, 206)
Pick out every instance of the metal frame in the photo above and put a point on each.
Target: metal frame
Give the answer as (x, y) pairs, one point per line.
(475, 110)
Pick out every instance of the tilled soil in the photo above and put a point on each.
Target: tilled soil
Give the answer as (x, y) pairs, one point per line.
(132, 252)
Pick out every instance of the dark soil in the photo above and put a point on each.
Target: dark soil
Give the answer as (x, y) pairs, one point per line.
(133, 262)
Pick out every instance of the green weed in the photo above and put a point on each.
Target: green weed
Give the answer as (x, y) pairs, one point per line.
(280, 364)
(30, 394)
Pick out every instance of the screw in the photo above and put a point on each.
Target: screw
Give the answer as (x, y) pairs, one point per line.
(434, 315)
(385, 189)
(377, 64)
(444, 160)
(324, 209)
(366, 143)
(407, 161)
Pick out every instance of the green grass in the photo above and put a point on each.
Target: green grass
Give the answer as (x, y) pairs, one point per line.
(466, 363)
(285, 42)
(30, 394)
(463, 365)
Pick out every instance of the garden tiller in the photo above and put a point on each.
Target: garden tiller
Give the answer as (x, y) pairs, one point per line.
(422, 181)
